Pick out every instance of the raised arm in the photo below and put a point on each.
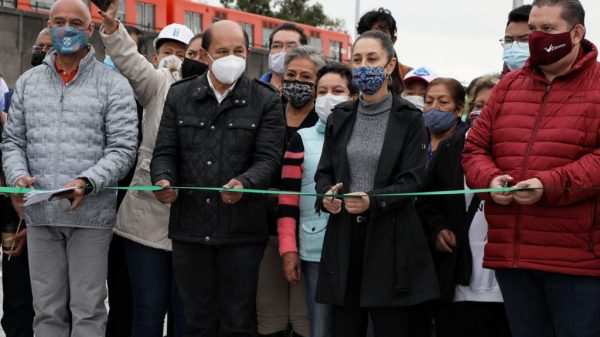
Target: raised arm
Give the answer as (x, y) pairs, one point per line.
(141, 74)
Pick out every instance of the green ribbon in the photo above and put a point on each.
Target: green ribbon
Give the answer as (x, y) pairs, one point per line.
(20, 190)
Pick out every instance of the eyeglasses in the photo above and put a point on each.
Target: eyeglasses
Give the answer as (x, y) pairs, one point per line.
(41, 48)
(522, 41)
(280, 46)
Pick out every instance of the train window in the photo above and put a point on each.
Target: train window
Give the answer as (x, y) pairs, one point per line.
(193, 21)
(315, 42)
(121, 12)
(41, 4)
(145, 15)
(219, 16)
(265, 37)
(335, 50)
(249, 28)
(8, 3)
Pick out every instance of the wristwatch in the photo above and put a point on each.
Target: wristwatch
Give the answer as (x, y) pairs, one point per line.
(88, 188)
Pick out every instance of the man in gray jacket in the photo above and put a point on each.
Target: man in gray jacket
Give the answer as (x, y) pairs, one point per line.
(72, 123)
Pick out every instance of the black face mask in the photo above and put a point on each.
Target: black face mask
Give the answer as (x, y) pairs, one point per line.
(190, 68)
(37, 58)
(298, 93)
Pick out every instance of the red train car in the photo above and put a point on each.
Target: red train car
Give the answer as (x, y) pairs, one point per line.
(153, 15)
(199, 16)
(149, 15)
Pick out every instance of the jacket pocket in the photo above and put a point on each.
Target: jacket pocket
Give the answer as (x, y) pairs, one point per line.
(191, 129)
(311, 238)
(241, 132)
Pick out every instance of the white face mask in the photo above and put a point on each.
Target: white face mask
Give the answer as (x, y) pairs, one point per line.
(325, 104)
(277, 62)
(228, 69)
(418, 101)
(172, 62)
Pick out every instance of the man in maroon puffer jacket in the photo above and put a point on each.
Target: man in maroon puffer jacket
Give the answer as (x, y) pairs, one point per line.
(541, 128)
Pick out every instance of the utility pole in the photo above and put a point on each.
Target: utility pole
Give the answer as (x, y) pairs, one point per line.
(517, 3)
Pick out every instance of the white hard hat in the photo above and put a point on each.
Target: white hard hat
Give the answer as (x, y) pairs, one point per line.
(176, 32)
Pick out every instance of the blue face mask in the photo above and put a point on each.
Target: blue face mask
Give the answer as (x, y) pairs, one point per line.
(110, 64)
(515, 56)
(68, 40)
(368, 79)
(438, 121)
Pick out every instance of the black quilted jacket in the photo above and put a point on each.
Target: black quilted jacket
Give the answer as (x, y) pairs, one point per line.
(203, 143)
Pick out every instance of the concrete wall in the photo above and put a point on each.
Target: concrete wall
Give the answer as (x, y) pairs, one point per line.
(18, 31)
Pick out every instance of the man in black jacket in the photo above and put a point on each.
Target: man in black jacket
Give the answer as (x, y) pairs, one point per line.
(218, 129)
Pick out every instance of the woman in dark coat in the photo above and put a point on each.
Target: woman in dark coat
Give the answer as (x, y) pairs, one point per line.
(471, 301)
(375, 260)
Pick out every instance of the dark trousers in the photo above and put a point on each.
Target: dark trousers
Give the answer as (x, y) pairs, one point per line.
(119, 291)
(541, 304)
(352, 320)
(153, 290)
(471, 319)
(218, 288)
(17, 304)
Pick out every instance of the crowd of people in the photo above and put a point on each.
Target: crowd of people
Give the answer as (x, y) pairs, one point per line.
(341, 250)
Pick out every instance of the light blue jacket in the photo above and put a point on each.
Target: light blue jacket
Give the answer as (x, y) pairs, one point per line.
(312, 224)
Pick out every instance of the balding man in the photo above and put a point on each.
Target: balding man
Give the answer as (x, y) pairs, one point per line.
(72, 123)
(219, 129)
(42, 45)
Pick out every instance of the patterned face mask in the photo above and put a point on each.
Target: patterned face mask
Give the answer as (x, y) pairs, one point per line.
(298, 93)
(368, 79)
(68, 40)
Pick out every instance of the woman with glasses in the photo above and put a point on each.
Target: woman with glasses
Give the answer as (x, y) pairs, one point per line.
(471, 303)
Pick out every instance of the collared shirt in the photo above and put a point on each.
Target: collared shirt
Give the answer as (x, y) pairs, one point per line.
(218, 95)
(65, 75)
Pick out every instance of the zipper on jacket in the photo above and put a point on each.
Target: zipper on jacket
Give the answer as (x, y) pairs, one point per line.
(58, 122)
(538, 121)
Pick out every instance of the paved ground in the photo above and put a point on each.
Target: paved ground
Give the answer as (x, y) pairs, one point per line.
(1, 299)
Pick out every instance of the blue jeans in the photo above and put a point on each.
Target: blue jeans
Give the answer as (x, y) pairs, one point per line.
(541, 304)
(153, 290)
(320, 315)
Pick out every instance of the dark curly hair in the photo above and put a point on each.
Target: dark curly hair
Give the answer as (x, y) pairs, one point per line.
(382, 15)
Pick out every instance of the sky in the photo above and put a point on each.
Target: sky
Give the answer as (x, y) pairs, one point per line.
(455, 38)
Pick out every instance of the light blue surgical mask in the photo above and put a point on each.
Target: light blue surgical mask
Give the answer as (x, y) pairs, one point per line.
(110, 64)
(68, 40)
(516, 55)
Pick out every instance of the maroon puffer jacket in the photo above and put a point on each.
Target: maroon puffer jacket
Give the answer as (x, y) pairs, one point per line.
(550, 130)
